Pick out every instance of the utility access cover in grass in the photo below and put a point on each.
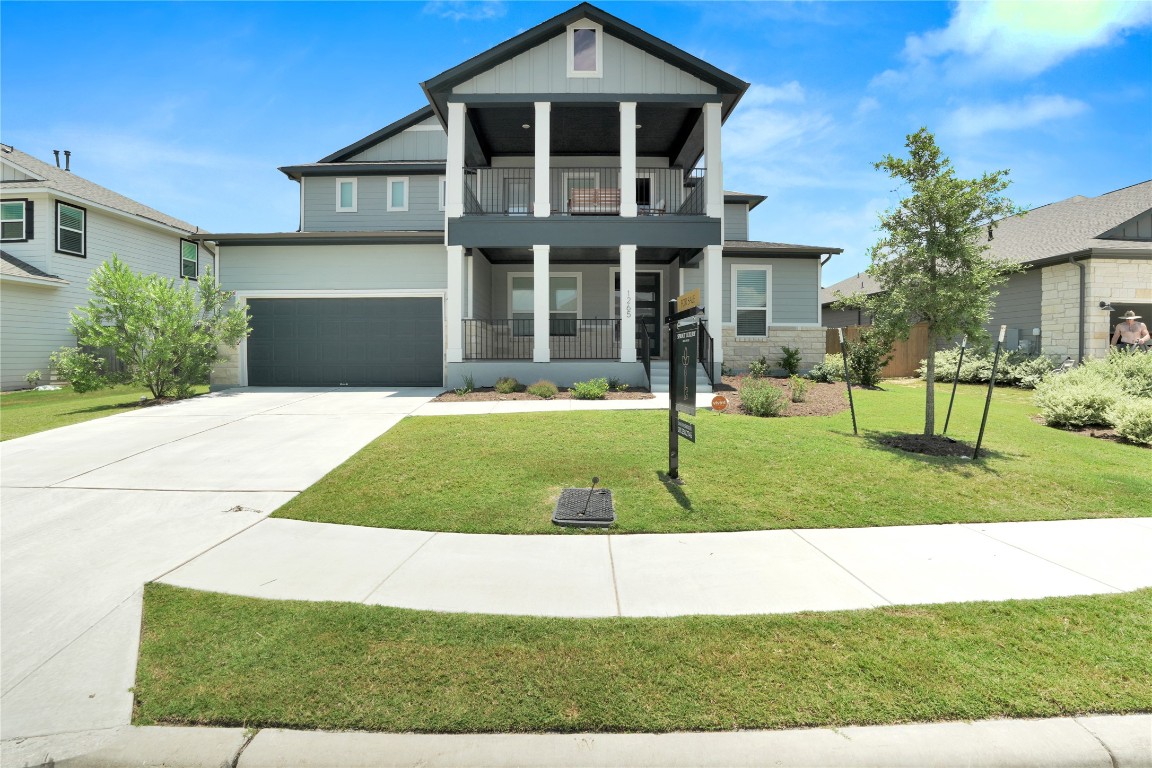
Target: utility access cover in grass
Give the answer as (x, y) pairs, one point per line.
(585, 508)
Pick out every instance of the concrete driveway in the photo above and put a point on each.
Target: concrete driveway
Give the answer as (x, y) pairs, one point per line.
(93, 511)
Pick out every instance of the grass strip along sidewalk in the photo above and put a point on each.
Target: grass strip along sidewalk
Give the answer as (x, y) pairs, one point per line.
(30, 411)
(211, 659)
(502, 474)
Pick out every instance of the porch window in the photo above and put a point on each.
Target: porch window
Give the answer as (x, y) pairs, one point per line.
(750, 300)
(563, 305)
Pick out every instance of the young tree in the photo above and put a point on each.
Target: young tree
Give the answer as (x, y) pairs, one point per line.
(167, 334)
(930, 260)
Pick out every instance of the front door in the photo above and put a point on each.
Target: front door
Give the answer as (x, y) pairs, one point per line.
(647, 307)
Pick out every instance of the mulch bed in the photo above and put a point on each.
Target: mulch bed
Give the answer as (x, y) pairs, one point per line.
(934, 445)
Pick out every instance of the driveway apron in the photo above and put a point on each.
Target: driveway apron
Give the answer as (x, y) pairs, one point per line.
(93, 511)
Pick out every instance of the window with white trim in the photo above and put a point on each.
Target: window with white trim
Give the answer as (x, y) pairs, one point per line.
(16, 220)
(585, 49)
(563, 304)
(346, 195)
(397, 193)
(443, 185)
(751, 304)
(71, 229)
(189, 259)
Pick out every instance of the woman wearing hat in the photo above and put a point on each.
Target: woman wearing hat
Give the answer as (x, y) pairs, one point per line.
(1131, 334)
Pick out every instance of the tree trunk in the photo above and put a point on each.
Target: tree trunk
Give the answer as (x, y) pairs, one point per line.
(930, 388)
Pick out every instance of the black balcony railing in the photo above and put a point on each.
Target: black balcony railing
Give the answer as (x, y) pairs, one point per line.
(705, 352)
(582, 191)
(569, 338)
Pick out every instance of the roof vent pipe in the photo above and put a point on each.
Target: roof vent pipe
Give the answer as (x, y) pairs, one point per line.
(68, 160)
(57, 153)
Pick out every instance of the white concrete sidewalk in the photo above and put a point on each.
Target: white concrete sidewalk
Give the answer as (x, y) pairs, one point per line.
(676, 574)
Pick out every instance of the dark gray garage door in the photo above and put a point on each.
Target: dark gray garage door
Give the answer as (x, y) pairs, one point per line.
(353, 342)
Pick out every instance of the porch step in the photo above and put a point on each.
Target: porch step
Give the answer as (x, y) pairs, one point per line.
(660, 378)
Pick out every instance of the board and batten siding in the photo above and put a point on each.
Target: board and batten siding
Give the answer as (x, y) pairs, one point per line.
(1018, 306)
(35, 319)
(795, 289)
(8, 173)
(735, 221)
(544, 69)
(1139, 228)
(321, 195)
(426, 141)
(481, 286)
(333, 267)
(596, 286)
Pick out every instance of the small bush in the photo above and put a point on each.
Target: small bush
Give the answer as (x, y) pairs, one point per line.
(726, 370)
(760, 398)
(621, 387)
(543, 389)
(832, 369)
(613, 382)
(1133, 420)
(790, 360)
(506, 385)
(1078, 398)
(799, 388)
(83, 371)
(758, 369)
(1016, 368)
(867, 357)
(1131, 370)
(33, 379)
(593, 389)
(468, 383)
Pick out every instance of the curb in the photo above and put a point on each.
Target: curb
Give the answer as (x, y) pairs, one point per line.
(1110, 741)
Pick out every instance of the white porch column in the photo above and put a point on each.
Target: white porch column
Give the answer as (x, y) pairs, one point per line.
(541, 310)
(714, 167)
(628, 158)
(714, 298)
(454, 164)
(627, 303)
(542, 205)
(454, 305)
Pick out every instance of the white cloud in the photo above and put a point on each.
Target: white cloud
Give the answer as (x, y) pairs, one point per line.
(1010, 38)
(467, 10)
(976, 120)
(766, 126)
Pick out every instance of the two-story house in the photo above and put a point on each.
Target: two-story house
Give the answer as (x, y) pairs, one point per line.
(56, 229)
(533, 220)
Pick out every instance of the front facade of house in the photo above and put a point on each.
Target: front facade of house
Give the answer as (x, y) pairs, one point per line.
(57, 229)
(532, 221)
(1086, 261)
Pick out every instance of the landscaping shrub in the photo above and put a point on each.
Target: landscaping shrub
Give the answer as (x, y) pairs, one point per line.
(832, 369)
(593, 389)
(1081, 397)
(758, 369)
(543, 389)
(506, 385)
(613, 382)
(760, 397)
(799, 388)
(1133, 420)
(83, 371)
(33, 379)
(1132, 371)
(468, 383)
(1016, 368)
(867, 357)
(790, 360)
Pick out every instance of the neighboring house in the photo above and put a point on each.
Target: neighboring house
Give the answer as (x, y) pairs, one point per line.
(1087, 260)
(533, 220)
(56, 230)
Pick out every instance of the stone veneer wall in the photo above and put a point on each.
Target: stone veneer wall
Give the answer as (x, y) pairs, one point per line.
(810, 341)
(226, 371)
(1118, 280)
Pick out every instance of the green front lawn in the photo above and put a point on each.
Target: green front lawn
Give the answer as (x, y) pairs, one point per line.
(502, 474)
(211, 659)
(29, 411)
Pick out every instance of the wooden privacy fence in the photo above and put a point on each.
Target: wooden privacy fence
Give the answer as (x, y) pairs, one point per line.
(906, 355)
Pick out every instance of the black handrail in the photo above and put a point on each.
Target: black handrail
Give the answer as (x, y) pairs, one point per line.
(705, 351)
(569, 338)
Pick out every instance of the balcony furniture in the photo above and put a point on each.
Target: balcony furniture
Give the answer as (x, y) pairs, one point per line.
(594, 200)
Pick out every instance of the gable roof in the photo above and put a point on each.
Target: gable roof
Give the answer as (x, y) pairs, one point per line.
(437, 88)
(49, 177)
(12, 267)
(383, 134)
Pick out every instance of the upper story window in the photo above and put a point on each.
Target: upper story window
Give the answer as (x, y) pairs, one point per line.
(346, 195)
(71, 229)
(751, 305)
(585, 49)
(189, 259)
(16, 220)
(443, 185)
(397, 193)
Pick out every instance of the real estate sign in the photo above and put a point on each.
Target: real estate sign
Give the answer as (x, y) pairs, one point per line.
(684, 352)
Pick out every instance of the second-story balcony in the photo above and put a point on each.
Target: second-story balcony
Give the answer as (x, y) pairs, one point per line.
(583, 192)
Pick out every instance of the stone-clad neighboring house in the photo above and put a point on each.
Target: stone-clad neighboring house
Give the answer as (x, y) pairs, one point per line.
(1087, 261)
(532, 220)
(56, 230)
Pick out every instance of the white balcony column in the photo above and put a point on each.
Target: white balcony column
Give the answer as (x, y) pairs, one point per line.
(714, 299)
(628, 158)
(714, 167)
(627, 303)
(542, 205)
(541, 308)
(454, 164)
(454, 305)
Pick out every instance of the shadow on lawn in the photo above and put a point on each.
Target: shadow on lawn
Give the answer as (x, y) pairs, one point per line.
(110, 407)
(940, 452)
(675, 489)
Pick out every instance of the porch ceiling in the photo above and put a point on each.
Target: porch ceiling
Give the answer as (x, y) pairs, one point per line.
(584, 255)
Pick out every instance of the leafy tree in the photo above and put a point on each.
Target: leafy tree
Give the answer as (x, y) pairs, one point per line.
(929, 261)
(167, 334)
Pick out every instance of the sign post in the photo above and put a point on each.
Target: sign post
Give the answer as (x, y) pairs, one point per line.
(681, 375)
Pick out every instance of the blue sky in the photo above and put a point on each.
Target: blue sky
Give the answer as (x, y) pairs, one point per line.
(190, 107)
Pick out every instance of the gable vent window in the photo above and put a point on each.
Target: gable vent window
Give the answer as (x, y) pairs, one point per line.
(16, 220)
(71, 229)
(189, 259)
(585, 50)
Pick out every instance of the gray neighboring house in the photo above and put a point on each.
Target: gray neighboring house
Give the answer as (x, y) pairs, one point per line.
(532, 220)
(57, 228)
(1087, 261)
